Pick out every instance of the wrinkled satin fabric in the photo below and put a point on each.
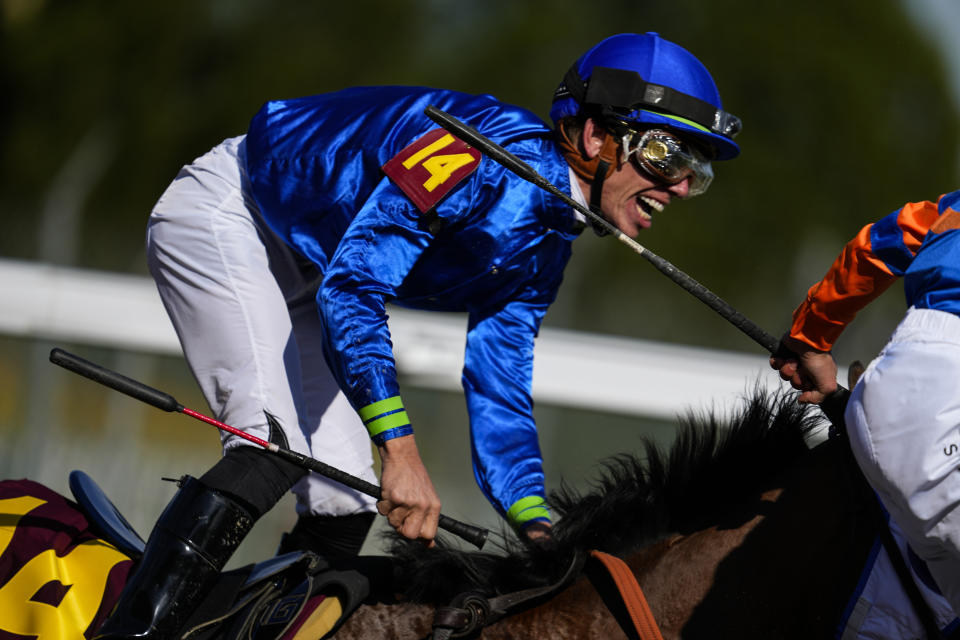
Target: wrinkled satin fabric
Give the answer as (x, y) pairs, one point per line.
(314, 166)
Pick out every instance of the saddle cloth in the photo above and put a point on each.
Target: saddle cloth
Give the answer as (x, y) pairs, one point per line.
(879, 608)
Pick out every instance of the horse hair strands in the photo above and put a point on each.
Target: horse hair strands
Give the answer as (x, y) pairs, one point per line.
(716, 468)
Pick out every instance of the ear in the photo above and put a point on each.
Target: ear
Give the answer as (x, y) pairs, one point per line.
(592, 138)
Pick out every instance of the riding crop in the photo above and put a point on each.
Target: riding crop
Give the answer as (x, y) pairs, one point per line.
(831, 406)
(166, 402)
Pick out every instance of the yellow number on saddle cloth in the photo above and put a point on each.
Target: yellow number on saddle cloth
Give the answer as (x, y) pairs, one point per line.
(431, 166)
(77, 581)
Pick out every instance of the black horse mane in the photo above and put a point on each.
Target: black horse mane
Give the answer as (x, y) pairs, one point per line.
(715, 466)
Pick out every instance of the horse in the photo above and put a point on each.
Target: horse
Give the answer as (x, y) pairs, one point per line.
(739, 529)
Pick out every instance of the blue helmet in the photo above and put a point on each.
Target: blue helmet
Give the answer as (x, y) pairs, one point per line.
(631, 79)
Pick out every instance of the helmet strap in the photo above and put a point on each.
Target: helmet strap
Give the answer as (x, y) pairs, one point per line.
(607, 162)
(596, 169)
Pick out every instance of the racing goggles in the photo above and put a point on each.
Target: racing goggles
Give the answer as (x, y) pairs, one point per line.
(668, 158)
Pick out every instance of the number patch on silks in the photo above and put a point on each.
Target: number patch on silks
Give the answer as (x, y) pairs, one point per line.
(431, 166)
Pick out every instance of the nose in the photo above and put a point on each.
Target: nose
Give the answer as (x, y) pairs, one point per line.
(681, 189)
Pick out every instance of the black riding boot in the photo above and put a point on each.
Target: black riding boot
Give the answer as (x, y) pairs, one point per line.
(335, 538)
(192, 540)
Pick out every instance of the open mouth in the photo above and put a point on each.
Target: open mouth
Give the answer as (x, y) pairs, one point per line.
(646, 206)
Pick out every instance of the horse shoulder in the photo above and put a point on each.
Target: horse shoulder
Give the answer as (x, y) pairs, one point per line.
(797, 546)
(575, 613)
(677, 574)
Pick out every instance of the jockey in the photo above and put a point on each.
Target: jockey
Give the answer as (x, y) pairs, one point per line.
(903, 416)
(276, 253)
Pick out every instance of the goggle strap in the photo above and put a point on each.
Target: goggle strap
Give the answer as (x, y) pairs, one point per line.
(624, 89)
(572, 86)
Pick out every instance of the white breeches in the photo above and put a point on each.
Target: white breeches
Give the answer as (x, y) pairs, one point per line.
(904, 424)
(226, 281)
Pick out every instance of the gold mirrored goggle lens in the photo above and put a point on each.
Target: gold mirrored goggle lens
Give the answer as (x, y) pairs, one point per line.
(668, 158)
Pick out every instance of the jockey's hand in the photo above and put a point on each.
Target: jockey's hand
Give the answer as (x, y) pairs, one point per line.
(811, 371)
(540, 533)
(407, 498)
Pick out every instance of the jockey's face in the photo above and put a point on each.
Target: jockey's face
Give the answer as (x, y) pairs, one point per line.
(630, 196)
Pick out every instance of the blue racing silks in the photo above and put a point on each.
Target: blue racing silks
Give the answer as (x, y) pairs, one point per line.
(490, 244)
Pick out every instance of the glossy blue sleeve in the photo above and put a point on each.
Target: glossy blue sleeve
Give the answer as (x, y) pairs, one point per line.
(375, 254)
(497, 380)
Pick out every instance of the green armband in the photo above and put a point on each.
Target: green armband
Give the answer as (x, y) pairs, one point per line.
(385, 420)
(526, 509)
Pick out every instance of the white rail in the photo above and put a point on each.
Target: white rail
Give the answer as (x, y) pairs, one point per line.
(571, 368)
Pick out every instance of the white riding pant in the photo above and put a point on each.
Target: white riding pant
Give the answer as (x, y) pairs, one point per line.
(226, 281)
(904, 424)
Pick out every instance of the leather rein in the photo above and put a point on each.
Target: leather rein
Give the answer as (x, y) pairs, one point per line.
(469, 612)
(632, 596)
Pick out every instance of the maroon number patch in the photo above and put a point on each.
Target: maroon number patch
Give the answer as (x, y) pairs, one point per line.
(431, 166)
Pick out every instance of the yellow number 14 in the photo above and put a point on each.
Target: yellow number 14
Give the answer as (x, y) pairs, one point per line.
(439, 167)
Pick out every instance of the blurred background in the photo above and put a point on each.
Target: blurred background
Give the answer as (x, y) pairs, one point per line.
(849, 111)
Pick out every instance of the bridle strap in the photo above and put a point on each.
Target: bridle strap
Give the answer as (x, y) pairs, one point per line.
(470, 611)
(632, 595)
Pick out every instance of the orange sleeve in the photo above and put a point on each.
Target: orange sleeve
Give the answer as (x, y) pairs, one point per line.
(860, 274)
(915, 220)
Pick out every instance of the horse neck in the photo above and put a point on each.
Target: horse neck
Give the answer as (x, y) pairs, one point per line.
(799, 545)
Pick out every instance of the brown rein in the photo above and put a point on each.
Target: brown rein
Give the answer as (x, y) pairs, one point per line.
(632, 595)
(470, 612)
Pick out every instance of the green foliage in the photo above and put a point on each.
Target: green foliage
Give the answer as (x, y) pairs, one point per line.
(845, 108)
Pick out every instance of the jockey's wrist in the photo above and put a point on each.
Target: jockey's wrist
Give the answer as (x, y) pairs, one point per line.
(400, 448)
(801, 345)
(527, 510)
(816, 332)
(390, 434)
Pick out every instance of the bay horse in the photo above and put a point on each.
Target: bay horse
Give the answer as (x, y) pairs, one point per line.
(739, 530)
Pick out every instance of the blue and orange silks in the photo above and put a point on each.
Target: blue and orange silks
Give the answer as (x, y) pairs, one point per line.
(490, 244)
(919, 242)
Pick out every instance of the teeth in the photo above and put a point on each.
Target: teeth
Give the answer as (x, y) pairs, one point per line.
(654, 204)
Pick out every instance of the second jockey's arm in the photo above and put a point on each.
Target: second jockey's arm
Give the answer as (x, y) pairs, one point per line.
(408, 497)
